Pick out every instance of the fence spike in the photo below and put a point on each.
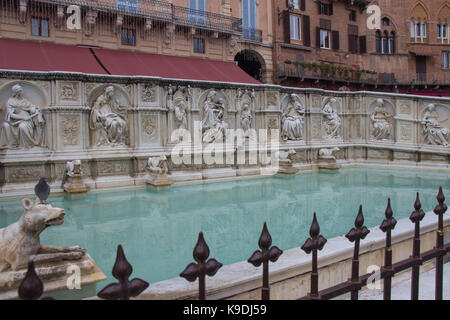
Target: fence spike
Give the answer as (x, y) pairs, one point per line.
(387, 226)
(263, 256)
(125, 288)
(355, 235)
(202, 268)
(440, 209)
(312, 244)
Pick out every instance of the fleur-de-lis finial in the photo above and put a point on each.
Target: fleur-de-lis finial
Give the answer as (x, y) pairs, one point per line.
(202, 267)
(125, 288)
(441, 207)
(359, 231)
(418, 213)
(266, 253)
(390, 222)
(316, 241)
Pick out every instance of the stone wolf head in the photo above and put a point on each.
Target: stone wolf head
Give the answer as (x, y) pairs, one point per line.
(37, 217)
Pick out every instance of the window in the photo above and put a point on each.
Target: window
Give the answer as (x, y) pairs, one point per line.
(128, 37)
(197, 13)
(446, 60)
(294, 4)
(385, 42)
(392, 43)
(385, 22)
(199, 45)
(418, 30)
(39, 27)
(249, 19)
(352, 15)
(324, 39)
(378, 42)
(325, 8)
(442, 31)
(295, 25)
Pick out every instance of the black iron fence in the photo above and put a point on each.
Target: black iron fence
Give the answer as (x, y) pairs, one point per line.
(32, 287)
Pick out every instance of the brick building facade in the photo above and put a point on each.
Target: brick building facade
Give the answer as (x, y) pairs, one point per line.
(328, 44)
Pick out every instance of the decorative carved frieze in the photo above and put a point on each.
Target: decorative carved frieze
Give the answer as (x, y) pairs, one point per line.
(70, 130)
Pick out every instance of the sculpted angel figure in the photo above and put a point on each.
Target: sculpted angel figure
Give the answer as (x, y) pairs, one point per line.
(109, 118)
(24, 123)
(292, 120)
(332, 119)
(213, 125)
(380, 119)
(433, 131)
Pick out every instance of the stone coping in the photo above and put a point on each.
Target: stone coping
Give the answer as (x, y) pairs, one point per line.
(242, 277)
(56, 75)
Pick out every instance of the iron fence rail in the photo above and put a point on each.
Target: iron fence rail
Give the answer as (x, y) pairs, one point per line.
(31, 286)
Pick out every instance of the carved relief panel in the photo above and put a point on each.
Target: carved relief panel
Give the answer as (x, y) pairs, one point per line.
(150, 130)
(68, 93)
(435, 124)
(108, 118)
(381, 120)
(292, 117)
(23, 120)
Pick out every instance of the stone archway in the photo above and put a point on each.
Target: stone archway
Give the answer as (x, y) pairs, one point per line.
(251, 62)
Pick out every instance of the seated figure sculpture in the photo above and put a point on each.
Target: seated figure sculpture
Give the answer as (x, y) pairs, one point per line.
(292, 120)
(23, 123)
(109, 119)
(213, 125)
(433, 131)
(380, 119)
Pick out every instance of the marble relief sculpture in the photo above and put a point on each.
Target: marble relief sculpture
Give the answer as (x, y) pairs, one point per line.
(433, 131)
(213, 125)
(19, 242)
(157, 170)
(23, 125)
(332, 120)
(108, 118)
(180, 115)
(246, 117)
(381, 118)
(292, 119)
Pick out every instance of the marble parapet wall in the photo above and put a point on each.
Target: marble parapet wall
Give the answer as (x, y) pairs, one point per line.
(114, 124)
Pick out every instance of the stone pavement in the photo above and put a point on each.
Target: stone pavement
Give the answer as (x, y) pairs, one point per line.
(401, 289)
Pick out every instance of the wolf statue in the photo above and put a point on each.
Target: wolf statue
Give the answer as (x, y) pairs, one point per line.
(19, 242)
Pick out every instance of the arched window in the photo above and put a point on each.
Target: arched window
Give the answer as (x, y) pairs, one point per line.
(392, 43)
(385, 22)
(385, 42)
(378, 41)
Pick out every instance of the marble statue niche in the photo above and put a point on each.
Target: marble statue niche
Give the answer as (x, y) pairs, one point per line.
(245, 104)
(292, 118)
(213, 123)
(332, 121)
(179, 104)
(381, 118)
(433, 131)
(23, 122)
(108, 119)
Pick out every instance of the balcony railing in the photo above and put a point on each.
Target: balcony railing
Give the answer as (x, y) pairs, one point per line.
(285, 70)
(153, 10)
(252, 34)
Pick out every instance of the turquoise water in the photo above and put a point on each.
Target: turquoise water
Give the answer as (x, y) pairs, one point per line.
(158, 228)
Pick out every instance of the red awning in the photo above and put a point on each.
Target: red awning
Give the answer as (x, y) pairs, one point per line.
(127, 63)
(43, 56)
